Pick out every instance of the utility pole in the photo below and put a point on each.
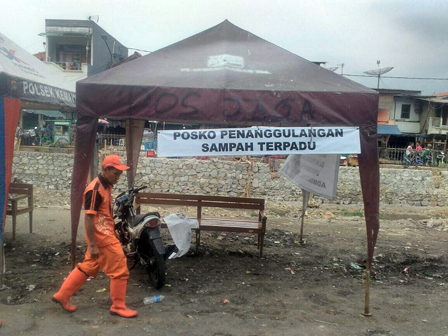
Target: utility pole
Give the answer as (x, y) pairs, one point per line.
(379, 74)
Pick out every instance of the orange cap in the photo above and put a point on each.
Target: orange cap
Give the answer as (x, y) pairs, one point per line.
(114, 161)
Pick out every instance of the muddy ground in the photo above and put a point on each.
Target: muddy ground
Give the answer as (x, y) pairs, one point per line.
(310, 289)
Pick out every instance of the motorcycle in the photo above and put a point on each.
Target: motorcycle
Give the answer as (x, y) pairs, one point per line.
(140, 237)
(413, 160)
(427, 157)
(440, 157)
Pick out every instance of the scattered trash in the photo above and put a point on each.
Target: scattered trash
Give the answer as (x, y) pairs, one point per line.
(406, 270)
(30, 287)
(292, 270)
(101, 290)
(355, 266)
(153, 299)
(225, 301)
(325, 322)
(166, 285)
(57, 253)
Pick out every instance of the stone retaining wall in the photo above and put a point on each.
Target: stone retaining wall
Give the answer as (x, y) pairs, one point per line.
(398, 186)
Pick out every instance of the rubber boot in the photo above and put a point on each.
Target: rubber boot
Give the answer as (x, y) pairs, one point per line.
(70, 286)
(118, 295)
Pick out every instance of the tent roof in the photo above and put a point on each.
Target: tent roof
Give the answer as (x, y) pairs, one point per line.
(24, 76)
(212, 69)
(226, 56)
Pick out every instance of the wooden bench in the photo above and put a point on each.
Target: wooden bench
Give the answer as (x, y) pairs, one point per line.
(17, 192)
(248, 225)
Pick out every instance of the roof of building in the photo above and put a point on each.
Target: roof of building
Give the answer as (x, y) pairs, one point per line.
(398, 92)
(388, 130)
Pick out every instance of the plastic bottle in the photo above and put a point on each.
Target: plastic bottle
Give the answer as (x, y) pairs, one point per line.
(153, 299)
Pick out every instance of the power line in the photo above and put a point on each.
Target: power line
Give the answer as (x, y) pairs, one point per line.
(402, 77)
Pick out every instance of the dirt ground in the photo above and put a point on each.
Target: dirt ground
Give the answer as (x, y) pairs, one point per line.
(310, 289)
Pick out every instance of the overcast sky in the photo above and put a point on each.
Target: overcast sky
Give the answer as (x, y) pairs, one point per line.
(411, 36)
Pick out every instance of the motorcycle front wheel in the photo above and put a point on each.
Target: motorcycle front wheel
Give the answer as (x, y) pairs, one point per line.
(153, 261)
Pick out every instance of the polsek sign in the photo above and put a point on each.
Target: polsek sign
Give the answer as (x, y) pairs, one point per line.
(259, 141)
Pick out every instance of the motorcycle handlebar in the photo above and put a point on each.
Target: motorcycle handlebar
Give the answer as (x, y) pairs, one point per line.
(135, 191)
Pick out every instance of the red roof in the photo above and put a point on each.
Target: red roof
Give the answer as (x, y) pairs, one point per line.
(443, 94)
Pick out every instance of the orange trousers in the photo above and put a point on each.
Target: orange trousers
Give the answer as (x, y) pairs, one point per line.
(112, 260)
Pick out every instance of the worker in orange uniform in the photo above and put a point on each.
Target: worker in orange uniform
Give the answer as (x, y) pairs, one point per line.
(104, 249)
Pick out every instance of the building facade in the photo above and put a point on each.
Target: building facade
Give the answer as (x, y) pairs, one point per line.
(434, 119)
(81, 48)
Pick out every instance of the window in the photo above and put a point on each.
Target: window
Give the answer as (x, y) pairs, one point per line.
(444, 116)
(405, 111)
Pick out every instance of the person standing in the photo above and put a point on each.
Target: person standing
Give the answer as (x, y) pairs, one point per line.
(18, 137)
(104, 249)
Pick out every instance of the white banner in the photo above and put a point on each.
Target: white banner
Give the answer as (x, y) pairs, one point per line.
(314, 173)
(259, 141)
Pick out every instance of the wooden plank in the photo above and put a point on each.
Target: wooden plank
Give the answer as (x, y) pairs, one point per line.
(232, 219)
(200, 197)
(15, 197)
(231, 229)
(168, 202)
(21, 188)
(251, 225)
(203, 204)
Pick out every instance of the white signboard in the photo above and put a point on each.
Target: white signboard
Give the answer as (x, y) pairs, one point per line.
(314, 173)
(259, 141)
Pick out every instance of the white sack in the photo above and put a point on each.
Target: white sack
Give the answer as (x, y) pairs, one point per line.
(180, 227)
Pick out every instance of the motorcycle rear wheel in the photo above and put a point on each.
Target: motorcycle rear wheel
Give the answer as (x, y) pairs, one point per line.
(155, 263)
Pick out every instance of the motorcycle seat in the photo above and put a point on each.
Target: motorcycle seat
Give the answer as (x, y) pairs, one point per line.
(138, 218)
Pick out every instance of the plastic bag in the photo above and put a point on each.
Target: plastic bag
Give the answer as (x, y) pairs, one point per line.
(180, 227)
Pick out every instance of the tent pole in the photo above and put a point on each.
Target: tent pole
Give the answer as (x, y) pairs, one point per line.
(370, 184)
(134, 135)
(367, 296)
(2, 264)
(86, 128)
